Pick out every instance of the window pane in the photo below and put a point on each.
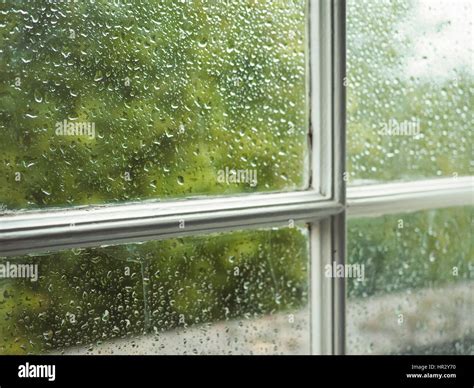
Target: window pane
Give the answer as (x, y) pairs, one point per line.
(242, 292)
(109, 101)
(410, 89)
(417, 295)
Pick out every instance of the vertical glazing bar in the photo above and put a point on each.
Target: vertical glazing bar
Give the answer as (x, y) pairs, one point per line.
(339, 284)
(339, 98)
(316, 296)
(339, 130)
(327, 44)
(321, 96)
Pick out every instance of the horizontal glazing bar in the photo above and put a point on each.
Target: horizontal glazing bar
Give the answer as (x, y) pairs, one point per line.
(53, 230)
(392, 198)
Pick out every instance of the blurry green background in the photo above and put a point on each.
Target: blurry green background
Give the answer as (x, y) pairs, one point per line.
(408, 61)
(87, 296)
(177, 91)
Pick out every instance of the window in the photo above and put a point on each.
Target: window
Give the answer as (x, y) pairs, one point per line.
(417, 291)
(409, 90)
(167, 297)
(156, 88)
(173, 179)
(409, 86)
(173, 172)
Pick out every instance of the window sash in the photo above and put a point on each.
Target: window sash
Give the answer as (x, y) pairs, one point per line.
(56, 229)
(322, 206)
(53, 229)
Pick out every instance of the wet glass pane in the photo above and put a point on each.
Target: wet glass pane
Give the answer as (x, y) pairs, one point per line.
(410, 83)
(243, 292)
(417, 292)
(111, 101)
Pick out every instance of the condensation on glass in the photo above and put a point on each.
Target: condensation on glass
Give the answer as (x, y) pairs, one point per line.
(416, 295)
(242, 292)
(112, 101)
(410, 84)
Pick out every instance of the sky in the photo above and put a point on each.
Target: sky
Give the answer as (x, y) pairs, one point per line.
(442, 36)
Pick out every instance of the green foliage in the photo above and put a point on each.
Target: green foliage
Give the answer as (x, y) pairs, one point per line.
(408, 251)
(96, 294)
(177, 91)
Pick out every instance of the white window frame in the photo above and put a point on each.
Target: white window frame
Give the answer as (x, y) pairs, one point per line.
(322, 206)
